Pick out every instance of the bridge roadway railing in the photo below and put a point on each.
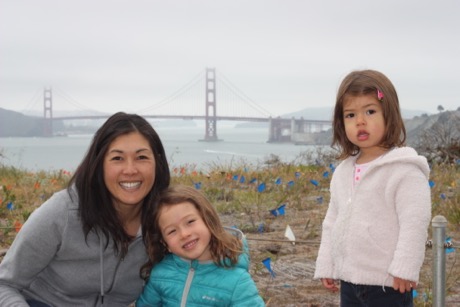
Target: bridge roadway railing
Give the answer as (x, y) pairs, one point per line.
(280, 129)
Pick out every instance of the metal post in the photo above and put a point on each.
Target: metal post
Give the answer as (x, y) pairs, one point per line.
(439, 224)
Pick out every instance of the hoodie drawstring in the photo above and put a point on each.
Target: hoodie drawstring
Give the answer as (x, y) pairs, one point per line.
(101, 257)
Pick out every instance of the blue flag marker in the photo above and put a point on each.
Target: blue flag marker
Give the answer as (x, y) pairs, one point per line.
(261, 228)
(449, 249)
(290, 184)
(325, 174)
(319, 200)
(314, 182)
(197, 185)
(443, 196)
(278, 181)
(431, 183)
(253, 180)
(10, 206)
(235, 177)
(279, 210)
(266, 262)
(242, 179)
(261, 187)
(414, 293)
(297, 174)
(332, 167)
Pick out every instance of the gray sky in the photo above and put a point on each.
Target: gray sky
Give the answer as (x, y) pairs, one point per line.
(285, 55)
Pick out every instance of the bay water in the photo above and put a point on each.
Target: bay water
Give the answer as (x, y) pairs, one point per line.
(182, 145)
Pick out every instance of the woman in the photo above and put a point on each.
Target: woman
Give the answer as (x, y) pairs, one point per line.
(84, 246)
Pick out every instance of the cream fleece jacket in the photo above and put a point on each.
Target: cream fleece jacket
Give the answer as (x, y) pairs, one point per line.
(378, 229)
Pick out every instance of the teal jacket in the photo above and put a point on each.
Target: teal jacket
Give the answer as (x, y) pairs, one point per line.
(178, 282)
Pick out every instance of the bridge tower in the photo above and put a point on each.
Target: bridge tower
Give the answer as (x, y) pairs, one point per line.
(48, 112)
(211, 127)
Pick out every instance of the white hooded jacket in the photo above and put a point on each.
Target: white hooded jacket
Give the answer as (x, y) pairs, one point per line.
(377, 229)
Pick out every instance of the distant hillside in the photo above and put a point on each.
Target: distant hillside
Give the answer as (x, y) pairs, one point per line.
(414, 127)
(325, 113)
(17, 124)
(30, 124)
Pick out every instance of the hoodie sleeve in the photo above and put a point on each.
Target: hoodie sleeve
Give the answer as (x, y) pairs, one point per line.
(32, 250)
(324, 265)
(413, 207)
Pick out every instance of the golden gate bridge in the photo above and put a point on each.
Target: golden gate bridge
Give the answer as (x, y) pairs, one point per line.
(211, 88)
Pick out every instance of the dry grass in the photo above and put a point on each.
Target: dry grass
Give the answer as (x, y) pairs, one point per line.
(303, 188)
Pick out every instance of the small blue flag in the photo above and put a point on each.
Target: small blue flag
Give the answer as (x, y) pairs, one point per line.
(261, 227)
(319, 199)
(414, 293)
(235, 177)
(325, 174)
(261, 187)
(431, 183)
(314, 182)
(332, 167)
(197, 185)
(242, 179)
(297, 174)
(278, 181)
(10, 206)
(443, 196)
(266, 262)
(290, 184)
(253, 180)
(279, 210)
(449, 243)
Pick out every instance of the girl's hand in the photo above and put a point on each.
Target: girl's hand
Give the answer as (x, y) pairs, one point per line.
(330, 284)
(403, 285)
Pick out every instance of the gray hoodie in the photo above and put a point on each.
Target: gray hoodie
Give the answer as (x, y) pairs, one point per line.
(51, 262)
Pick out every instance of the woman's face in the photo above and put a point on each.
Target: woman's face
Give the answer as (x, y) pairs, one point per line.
(129, 170)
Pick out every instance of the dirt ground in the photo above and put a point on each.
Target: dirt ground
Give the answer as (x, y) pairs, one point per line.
(294, 265)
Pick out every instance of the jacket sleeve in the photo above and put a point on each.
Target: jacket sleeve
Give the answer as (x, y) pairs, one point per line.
(246, 293)
(149, 297)
(324, 267)
(413, 207)
(33, 248)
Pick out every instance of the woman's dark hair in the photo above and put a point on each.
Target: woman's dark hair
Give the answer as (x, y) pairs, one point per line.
(95, 202)
(362, 83)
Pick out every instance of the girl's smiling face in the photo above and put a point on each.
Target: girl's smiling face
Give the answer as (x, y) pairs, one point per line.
(365, 125)
(184, 232)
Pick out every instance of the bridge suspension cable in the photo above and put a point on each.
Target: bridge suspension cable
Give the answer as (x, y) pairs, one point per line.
(36, 100)
(260, 111)
(177, 95)
(73, 102)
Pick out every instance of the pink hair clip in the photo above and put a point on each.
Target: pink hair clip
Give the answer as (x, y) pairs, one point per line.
(379, 95)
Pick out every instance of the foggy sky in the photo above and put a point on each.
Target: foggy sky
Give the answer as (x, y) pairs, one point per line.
(120, 55)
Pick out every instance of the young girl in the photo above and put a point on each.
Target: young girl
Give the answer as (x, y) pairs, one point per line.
(375, 229)
(196, 262)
